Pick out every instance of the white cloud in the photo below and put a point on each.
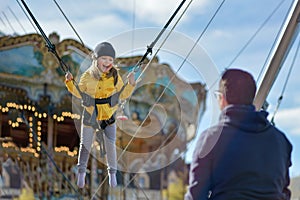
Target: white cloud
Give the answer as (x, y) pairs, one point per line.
(286, 120)
(155, 11)
(100, 28)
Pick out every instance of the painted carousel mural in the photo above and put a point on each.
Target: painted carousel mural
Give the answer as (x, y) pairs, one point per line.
(39, 123)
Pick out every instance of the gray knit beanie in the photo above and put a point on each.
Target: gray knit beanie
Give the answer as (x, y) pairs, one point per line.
(104, 49)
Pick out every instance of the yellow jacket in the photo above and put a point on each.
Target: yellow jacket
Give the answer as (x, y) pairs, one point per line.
(103, 88)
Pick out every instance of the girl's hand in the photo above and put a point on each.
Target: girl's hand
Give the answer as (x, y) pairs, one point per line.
(131, 78)
(69, 76)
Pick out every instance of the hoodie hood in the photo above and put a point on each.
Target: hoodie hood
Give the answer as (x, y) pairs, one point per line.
(245, 117)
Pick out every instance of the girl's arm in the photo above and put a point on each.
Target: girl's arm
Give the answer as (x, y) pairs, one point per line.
(69, 81)
(127, 91)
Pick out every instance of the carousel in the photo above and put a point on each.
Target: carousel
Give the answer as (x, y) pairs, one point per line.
(40, 123)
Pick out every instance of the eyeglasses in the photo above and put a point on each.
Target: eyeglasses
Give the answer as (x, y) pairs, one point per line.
(218, 94)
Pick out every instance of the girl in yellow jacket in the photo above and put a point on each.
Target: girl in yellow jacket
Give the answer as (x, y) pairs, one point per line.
(100, 81)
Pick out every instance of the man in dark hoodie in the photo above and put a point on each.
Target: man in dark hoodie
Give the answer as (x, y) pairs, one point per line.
(243, 157)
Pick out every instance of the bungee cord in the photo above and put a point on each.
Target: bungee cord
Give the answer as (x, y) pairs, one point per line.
(285, 84)
(273, 45)
(139, 63)
(250, 40)
(69, 23)
(150, 52)
(50, 46)
(170, 81)
(160, 96)
(150, 47)
(27, 16)
(256, 32)
(65, 68)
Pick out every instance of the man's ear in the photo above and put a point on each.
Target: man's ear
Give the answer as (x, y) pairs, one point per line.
(223, 101)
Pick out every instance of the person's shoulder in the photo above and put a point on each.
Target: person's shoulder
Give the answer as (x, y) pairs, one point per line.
(213, 131)
(208, 139)
(280, 135)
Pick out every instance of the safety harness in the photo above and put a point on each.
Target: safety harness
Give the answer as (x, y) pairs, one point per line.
(91, 119)
(113, 100)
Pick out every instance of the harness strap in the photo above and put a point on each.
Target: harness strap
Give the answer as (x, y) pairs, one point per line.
(91, 120)
(88, 101)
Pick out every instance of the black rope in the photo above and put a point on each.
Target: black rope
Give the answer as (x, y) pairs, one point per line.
(150, 47)
(64, 67)
(273, 45)
(249, 41)
(27, 16)
(51, 47)
(149, 50)
(256, 32)
(69, 22)
(160, 96)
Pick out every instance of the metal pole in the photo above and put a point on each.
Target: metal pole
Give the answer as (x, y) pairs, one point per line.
(282, 48)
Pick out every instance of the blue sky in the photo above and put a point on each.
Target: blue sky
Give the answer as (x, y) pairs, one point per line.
(234, 25)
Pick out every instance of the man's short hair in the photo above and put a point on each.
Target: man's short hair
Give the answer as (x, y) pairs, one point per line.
(238, 86)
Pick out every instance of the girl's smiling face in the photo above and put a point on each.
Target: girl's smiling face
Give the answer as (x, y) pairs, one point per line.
(105, 63)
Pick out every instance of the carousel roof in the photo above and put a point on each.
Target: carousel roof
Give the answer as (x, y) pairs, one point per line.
(25, 63)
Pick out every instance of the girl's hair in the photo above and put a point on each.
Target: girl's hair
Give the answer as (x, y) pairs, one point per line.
(96, 72)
